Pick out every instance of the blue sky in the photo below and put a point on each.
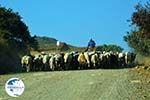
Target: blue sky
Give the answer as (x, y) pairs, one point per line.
(76, 21)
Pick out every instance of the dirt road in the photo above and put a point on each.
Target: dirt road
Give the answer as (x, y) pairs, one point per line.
(120, 84)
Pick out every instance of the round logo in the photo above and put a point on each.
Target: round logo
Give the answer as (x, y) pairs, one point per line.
(14, 87)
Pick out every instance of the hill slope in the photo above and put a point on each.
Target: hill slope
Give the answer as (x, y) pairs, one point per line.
(47, 43)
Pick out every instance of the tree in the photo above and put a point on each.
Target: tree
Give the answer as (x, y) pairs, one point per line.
(113, 48)
(14, 29)
(138, 37)
(15, 40)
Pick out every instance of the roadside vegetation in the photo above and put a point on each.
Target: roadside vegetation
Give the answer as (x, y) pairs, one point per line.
(138, 38)
(15, 40)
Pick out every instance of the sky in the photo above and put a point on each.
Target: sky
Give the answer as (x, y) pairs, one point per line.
(76, 21)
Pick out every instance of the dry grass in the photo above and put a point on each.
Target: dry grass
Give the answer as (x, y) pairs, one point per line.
(147, 61)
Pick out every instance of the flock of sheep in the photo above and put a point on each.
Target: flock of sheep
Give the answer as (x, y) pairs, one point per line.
(76, 60)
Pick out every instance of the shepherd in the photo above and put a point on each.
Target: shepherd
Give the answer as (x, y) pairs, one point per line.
(91, 45)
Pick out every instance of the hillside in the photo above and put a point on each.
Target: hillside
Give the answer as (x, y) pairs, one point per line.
(48, 43)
